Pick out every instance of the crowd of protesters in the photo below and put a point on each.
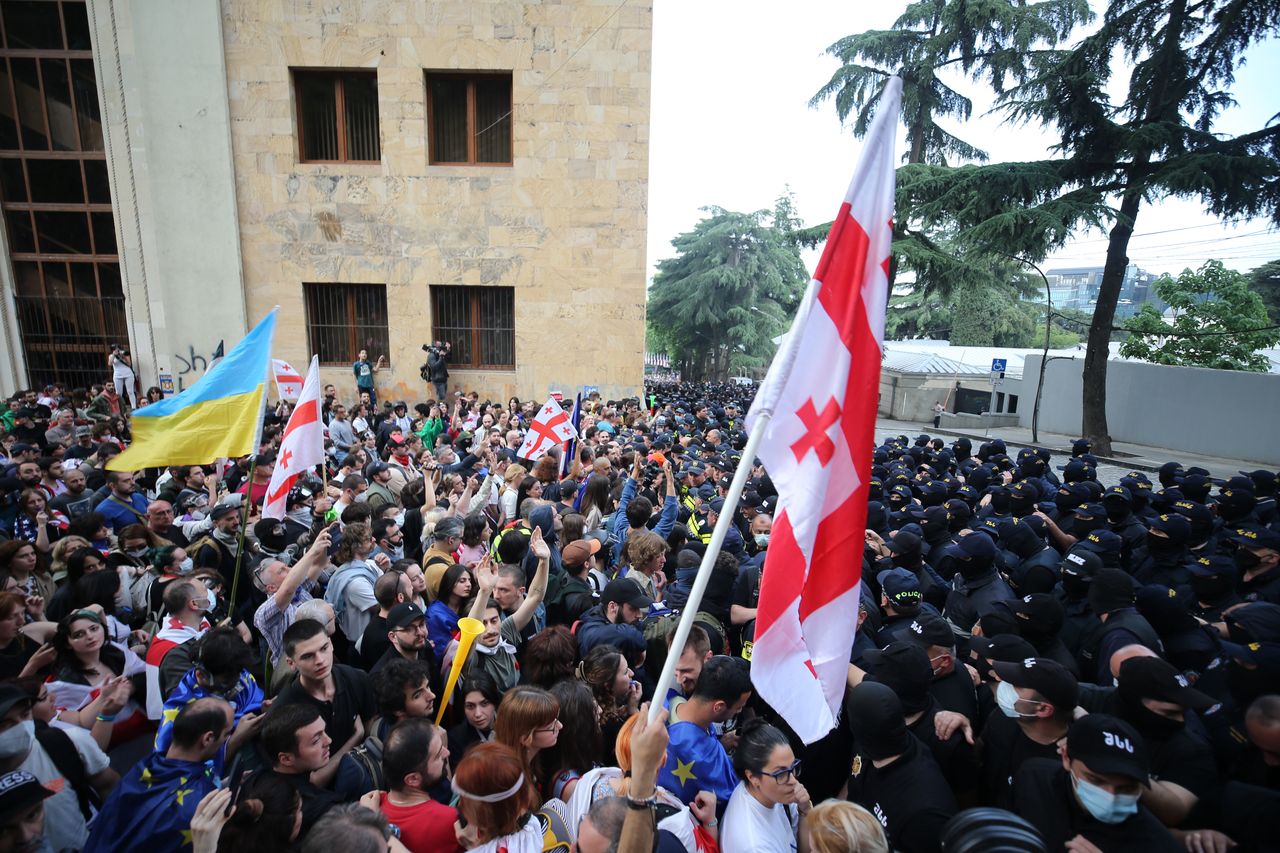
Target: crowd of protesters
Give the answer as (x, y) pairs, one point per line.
(1040, 661)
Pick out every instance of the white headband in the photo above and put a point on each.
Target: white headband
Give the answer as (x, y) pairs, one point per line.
(490, 798)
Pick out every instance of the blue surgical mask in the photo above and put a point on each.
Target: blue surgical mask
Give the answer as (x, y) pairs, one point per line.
(1007, 698)
(211, 599)
(1104, 805)
(762, 540)
(186, 566)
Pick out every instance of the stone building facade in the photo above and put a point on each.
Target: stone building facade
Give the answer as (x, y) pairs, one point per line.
(387, 172)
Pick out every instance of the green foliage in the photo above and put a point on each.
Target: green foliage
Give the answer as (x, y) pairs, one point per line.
(1218, 322)
(1265, 281)
(732, 287)
(985, 38)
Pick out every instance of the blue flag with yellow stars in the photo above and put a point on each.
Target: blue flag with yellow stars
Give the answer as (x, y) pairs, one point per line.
(696, 762)
(246, 696)
(151, 808)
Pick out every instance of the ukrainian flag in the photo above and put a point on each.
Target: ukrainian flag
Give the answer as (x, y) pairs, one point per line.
(216, 417)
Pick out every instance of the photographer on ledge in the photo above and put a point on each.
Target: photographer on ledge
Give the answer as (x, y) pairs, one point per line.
(122, 375)
(436, 370)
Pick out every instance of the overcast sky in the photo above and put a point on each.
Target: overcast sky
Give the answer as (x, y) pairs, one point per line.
(731, 126)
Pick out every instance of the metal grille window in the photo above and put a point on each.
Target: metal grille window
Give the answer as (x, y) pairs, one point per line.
(469, 119)
(343, 319)
(55, 195)
(338, 116)
(479, 322)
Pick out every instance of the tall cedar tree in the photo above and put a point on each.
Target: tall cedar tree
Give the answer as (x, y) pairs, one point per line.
(1158, 141)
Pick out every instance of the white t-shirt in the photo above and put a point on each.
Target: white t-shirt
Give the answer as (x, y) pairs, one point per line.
(748, 825)
(64, 827)
(120, 369)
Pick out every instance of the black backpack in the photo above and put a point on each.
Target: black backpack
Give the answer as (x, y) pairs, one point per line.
(62, 752)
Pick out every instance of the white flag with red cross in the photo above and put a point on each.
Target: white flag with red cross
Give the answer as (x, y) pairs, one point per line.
(550, 428)
(301, 447)
(821, 393)
(288, 382)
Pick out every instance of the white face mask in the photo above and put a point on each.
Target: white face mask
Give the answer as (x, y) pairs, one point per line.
(212, 600)
(17, 740)
(186, 566)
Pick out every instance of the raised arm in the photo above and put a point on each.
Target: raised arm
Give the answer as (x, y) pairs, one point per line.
(538, 586)
(486, 579)
(309, 567)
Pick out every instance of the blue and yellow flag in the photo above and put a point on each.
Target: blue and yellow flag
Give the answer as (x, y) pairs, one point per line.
(152, 807)
(216, 417)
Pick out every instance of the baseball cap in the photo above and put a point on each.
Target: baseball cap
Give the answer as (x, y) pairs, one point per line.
(19, 791)
(1092, 510)
(971, 546)
(931, 630)
(717, 504)
(84, 431)
(377, 468)
(904, 542)
(577, 553)
(901, 587)
(1002, 647)
(1040, 611)
(1156, 678)
(1175, 526)
(222, 510)
(1257, 537)
(1255, 631)
(1081, 563)
(1102, 542)
(271, 534)
(1213, 566)
(403, 615)
(623, 591)
(1107, 744)
(1045, 676)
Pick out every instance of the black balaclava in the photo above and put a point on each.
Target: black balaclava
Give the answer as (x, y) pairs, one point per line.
(876, 720)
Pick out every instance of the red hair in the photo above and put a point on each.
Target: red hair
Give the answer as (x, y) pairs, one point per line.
(491, 768)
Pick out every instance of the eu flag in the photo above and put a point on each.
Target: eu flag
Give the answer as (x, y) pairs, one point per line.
(151, 808)
(247, 696)
(696, 762)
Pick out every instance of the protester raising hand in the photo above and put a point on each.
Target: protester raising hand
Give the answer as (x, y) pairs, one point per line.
(211, 815)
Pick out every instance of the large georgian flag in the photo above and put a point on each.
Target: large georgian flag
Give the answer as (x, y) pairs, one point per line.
(549, 428)
(301, 447)
(821, 393)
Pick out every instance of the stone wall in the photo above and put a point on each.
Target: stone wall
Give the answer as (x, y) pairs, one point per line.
(564, 225)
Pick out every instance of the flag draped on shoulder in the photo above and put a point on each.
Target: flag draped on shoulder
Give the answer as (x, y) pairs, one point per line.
(220, 415)
(301, 446)
(550, 427)
(288, 381)
(821, 394)
(571, 446)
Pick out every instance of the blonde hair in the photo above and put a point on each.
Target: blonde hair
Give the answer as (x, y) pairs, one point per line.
(837, 826)
(514, 474)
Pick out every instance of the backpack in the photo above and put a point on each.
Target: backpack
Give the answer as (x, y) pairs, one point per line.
(62, 752)
(361, 770)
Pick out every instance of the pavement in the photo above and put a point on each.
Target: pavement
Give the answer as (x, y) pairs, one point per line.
(1125, 456)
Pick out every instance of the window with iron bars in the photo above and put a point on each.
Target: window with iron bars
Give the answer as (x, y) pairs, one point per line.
(479, 322)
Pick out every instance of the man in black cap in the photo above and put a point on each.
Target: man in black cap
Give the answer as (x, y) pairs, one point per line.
(1165, 557)
(1023, 547)
(1091, 794)
(904, 668)
(22, 812)
(407, 634)
(616, 619)
(1258, 558)
(1112, 597)
(1036, 698)
(893, 775)
(900, 602)
(952, 685)
(1080, 622)
(1154, 698)
(1213, 585)
(1040, 617)
(977, 585)
(379, 494)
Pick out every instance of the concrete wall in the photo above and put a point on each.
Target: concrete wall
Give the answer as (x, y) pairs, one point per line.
(1216, 412)
(564, 225)
(910, 396)
(163, 88)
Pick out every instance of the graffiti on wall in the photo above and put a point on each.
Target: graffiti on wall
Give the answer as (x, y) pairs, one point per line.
(194, 365)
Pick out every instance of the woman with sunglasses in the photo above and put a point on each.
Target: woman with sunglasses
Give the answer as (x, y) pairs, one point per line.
(765, 810)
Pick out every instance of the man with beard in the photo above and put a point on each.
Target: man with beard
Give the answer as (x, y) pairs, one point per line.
(415, 758)
(977, 585)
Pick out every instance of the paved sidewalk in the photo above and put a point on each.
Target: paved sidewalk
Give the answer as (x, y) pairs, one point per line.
(1124, 455)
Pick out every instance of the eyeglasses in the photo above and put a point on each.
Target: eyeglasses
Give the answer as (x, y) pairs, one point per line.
(555, 726)
(781, 776)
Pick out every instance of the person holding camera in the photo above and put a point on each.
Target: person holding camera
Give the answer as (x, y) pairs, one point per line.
(122, 375)
(436, 370)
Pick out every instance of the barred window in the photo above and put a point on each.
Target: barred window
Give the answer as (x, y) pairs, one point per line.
(338, 116)
(343, 319)
(479, 322)
(469, 119)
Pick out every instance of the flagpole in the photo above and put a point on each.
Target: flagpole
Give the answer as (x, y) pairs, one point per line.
(723, 523)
